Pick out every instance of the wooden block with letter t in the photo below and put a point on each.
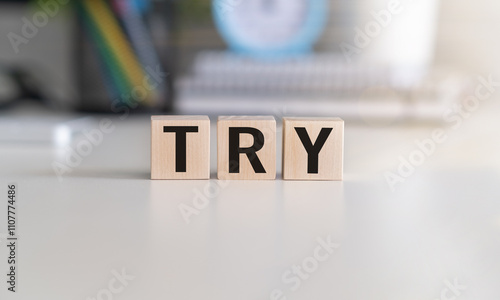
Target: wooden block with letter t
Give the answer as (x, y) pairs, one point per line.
(246, 148)
(180, 147)
(313, 148)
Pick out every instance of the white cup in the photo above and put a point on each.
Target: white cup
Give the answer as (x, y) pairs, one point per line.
(406, 40)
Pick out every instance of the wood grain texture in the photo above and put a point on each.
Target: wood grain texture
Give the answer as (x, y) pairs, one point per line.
(163, 148)
(295, 156)
(266, 155)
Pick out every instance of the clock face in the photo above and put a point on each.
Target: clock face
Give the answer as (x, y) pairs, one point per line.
(270, 26)
(268, 23)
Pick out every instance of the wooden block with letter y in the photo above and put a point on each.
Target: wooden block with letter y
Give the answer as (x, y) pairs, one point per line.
(313, 148)
(246, 148)
(180, 147)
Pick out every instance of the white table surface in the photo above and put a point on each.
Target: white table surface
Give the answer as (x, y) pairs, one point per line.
(441, 225)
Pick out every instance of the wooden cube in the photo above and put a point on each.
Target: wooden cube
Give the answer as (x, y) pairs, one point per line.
(180, 147)
(313, 148)
(246, 148)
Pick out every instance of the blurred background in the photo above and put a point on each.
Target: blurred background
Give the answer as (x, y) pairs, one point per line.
(364, 59)
(372, 62)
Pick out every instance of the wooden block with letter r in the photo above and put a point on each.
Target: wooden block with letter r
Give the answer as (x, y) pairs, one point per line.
(246, 148)
(180, 147)
(313, 148)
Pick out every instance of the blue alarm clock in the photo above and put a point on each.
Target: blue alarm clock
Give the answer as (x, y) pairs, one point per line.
(270, 28)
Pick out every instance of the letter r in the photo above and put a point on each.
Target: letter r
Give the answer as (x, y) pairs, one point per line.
(235, 150)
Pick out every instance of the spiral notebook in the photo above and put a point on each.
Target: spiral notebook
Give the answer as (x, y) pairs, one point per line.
(317, 84)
